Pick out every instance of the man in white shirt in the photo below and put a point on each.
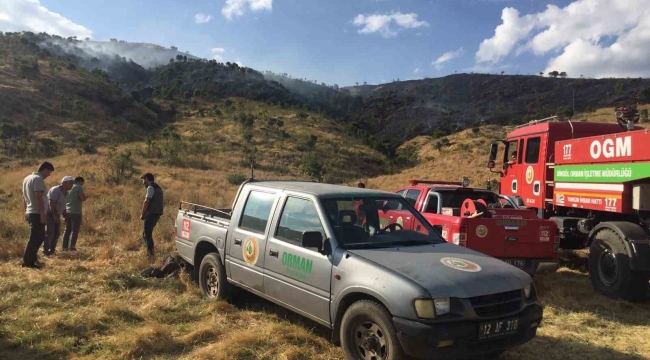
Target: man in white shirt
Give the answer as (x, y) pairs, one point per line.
(35, 205)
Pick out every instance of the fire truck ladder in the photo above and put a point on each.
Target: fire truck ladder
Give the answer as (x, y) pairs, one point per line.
(549, 184)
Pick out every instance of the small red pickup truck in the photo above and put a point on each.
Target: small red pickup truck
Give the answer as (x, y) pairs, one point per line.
(484, 221)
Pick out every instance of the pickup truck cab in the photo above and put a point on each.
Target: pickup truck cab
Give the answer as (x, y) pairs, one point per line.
(320, 251)
(481, 220)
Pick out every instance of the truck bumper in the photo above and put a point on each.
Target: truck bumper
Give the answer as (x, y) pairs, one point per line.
(426, 341)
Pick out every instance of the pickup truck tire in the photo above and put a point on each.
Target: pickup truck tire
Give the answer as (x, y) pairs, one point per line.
(609, 268)
(212, 278)
(367, 332)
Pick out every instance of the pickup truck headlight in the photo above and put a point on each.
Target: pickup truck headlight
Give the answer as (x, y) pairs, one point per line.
(527, 290)
(429, 308)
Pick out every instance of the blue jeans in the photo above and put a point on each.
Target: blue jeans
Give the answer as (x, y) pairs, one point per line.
(36, 238)
(52, 233)
(72, 226)
(150, 222)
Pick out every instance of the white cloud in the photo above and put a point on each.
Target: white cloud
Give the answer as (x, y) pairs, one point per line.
(235, 8)
(590, 37)
(506, 36)
(29, 15)
(416, 71)
(383, 24)
(217, 53)
(439, 63)
(201, 18)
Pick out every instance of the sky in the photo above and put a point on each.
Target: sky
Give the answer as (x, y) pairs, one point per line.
(355, 41)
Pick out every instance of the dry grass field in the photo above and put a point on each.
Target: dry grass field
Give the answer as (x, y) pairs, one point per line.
(92, 304)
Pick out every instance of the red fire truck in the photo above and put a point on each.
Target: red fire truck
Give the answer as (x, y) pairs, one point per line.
(593, 180)
(482, 220)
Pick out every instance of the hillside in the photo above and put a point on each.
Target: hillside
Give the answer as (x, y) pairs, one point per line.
(382, 116)
(53, 99)
(399, 111)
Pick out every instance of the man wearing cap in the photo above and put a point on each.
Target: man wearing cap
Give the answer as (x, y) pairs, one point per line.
(152, 209)
(35, 206)
(73, 207)
(56, 209)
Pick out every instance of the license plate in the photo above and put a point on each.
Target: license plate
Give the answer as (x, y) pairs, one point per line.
(516, 262)
(497, 328)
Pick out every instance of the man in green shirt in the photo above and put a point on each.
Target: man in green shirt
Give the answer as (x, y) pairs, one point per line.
(74, 200)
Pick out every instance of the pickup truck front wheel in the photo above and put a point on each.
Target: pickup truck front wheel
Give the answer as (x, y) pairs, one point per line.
(212, 277)
(367, 333)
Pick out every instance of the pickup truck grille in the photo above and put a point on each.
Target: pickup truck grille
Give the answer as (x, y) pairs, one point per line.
(496, 304)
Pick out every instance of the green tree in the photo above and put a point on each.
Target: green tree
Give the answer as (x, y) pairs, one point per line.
(120, 167)
(564, 112)
(554, 74)
(312, 166)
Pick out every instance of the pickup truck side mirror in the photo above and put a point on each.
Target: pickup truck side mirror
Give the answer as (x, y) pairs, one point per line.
(312, 239)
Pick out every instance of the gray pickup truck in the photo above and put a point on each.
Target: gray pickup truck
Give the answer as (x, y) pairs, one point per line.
(331, 254)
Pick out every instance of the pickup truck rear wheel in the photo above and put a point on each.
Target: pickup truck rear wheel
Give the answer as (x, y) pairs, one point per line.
(609, 268)
(212, 277)
(367, 333)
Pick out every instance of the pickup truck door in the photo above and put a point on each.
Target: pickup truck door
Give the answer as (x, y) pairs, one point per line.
(296, 276)
(247, 241)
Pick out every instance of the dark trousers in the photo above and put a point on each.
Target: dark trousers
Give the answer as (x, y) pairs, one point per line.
(52, 233)
(36, 238)
(72, 226)
(150, 222)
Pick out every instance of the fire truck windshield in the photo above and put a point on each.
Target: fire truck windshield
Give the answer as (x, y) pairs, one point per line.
(455, 198)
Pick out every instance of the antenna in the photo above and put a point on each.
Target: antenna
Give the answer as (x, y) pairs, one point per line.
(252, 171)
(574, 103)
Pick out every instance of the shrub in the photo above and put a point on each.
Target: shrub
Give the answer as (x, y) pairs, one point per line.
(307, 143)
(407, 157)
(312, 166)
(442, 143)
(236, 179)
(44, 148)
(120, 167)
(302, 115)
(476, 130)
(84, 146)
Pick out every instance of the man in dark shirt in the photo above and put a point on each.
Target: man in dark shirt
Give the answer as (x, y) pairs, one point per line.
(152, 209)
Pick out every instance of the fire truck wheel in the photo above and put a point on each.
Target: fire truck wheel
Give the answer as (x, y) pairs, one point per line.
(609, 268)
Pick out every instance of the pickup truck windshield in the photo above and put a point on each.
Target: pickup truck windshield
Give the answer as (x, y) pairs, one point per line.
(371, 222)
(455, 198)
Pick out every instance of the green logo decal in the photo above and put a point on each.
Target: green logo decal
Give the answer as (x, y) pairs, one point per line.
(610, 173)
(296, 266)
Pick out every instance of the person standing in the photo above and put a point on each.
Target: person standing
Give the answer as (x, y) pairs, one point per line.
(34, 204)
(56, 209)
(73, 207)
(152, 209)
